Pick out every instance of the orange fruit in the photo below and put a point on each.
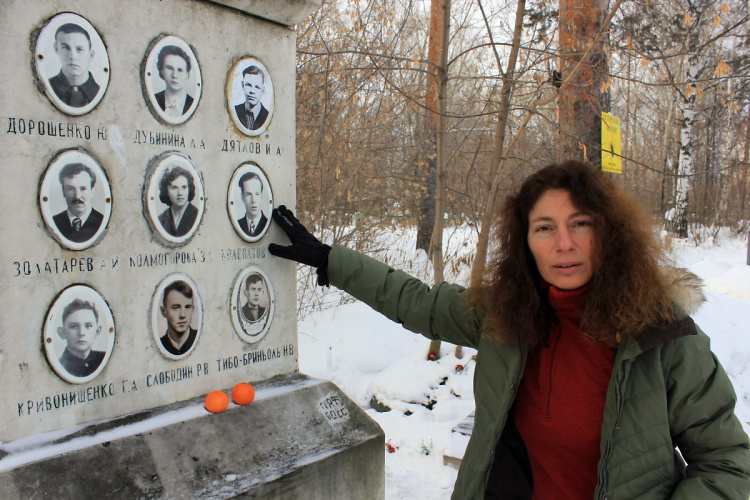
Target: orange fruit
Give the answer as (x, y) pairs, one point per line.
(216, 401)
(243, 393)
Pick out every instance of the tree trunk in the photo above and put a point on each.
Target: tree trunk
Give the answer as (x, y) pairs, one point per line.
(684, 170)
(743, 183)
(436, 243)
(580, 104)
(439, 33)
(626, 150)
(428, 165)
(426, 188)
(480, 259)
(665, 163)
(685, 164)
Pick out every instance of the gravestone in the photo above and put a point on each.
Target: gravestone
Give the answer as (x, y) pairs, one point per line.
(144, 145)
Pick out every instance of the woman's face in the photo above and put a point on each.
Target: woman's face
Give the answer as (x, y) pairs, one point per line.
(178, 191)
(561, 239)
(175, 72)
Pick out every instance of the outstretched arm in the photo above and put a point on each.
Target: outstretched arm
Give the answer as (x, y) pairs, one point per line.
(440, 312)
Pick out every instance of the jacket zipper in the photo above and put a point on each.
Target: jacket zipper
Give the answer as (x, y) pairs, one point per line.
(519, 376)
(620, 400)
(556, 321)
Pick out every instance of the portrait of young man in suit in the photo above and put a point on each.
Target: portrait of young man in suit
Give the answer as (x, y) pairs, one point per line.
(177, 307)
(74, 85)
(80, 328)
(251, 113)
(254, 221)
(80, 222)
(255, 290)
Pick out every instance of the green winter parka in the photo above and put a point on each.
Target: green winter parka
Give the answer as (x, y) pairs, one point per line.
(667, 391)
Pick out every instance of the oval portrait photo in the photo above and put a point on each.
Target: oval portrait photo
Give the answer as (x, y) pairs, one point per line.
(252, 304)
(172, 80)
(75, 199)
(79, 334)
(176, 316)
(250, 97)
(250, 202)
(72, 63)
(173, 198)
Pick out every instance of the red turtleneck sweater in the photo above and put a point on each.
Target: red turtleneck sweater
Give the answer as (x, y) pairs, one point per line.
(559, 406)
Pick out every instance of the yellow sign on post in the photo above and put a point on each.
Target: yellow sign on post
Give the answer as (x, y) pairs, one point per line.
(611, 150)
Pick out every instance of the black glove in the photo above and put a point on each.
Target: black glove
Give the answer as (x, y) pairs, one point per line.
(305, 248)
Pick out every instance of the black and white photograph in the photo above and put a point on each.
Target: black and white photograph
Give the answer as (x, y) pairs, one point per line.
(72, 63)
(75, 199)
(252, 304)
(79, 334)
(250, 96)
(174, 198)
(250, 201)
(176, 316)
(172, 80)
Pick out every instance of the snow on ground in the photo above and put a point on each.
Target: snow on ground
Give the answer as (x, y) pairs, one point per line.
(369, 357)
(725, 317)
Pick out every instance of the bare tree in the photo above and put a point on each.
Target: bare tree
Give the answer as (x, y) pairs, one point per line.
(362, 97)
(688, 42)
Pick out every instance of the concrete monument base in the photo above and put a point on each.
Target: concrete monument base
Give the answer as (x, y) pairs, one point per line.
(459, 440)
(300, 438)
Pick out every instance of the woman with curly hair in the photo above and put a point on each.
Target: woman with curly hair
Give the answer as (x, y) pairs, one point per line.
(592, 380)
(177, 191)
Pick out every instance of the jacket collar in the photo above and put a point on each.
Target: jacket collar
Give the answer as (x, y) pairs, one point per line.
(653, 337)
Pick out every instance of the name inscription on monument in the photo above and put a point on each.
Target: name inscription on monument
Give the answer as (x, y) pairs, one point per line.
(108, 390)
(143, 160)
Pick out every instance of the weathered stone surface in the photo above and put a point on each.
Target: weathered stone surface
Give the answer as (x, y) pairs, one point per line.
(301, 438)
(460, 435)
(128, 420)
(129, 261)
(286, 12)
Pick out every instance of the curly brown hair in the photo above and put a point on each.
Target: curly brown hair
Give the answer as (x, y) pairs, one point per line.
(169, 177)
(626, 292)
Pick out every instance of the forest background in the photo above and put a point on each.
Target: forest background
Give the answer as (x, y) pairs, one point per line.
(411, 108)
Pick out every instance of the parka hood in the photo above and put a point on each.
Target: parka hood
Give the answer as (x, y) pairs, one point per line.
(686, 291)
(684, 288)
